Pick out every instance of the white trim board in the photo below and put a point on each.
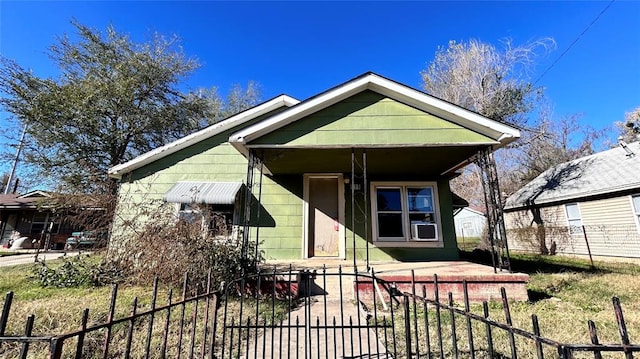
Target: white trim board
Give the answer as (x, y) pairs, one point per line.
(501, 133)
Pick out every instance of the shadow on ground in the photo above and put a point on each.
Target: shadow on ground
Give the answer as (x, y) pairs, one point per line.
(531, 264)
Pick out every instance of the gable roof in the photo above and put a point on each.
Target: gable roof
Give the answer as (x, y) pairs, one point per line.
(470, 211)
(603, 173)
(208, 132)
(25, 201)
(501, 133)
(35, 194)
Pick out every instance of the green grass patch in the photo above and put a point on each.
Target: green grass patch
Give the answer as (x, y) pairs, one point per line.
(8, 253)
(468, 243)
(58, 310)
(566, 292)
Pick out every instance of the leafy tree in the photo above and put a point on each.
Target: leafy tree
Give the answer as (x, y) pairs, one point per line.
(114, 99)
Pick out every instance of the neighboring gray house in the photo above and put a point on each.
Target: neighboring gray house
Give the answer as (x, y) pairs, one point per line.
(469, 222)
(594, 199)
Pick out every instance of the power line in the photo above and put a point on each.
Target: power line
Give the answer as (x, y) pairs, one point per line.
(574, 41)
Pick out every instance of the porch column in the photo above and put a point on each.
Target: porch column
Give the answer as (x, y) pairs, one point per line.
(359, 190)
(494, 208)
(253, 185)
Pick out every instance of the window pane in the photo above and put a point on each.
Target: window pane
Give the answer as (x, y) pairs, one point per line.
(220, 221)
(575, 226)
(420, 199)
(421, 217)
(390, 225)
(572, 211)
(189, 216)
(636, 204)
(575, 223)
(388, 199)
(39, 217)
(37, 228)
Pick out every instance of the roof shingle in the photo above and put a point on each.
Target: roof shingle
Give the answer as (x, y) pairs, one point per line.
(605, 172)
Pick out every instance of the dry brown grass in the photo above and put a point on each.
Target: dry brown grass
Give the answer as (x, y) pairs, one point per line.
(59, 310)
(568, 293)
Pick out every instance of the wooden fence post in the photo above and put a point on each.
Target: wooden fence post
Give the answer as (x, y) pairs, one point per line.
(586, 240)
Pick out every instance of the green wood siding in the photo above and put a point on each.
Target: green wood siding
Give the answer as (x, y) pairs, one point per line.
(281, 212)
(369, 118)
(213, 159)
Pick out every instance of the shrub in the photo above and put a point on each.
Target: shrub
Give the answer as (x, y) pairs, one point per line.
(77, 271)
(169, 248)
(73, 272)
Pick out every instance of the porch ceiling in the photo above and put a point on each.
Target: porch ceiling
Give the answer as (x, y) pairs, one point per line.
(423, 161)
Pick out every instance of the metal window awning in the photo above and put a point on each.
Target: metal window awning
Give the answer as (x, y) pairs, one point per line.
(203, 192)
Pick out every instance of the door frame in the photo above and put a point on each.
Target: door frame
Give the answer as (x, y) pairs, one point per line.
(341, 216)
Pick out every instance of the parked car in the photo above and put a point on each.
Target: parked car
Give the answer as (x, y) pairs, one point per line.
(86, 239)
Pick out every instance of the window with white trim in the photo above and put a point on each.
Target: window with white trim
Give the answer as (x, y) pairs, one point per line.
(405, 212)
(635, 202)
(574, 219)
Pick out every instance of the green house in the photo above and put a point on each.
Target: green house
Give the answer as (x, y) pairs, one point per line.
(360, 171)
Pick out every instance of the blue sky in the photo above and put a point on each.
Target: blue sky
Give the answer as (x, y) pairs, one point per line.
(302, 48)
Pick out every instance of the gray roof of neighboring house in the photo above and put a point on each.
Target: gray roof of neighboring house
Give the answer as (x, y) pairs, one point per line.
(24, 201)
(605, 172)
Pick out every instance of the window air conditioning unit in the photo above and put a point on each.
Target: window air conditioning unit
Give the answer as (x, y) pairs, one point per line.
(424, 231)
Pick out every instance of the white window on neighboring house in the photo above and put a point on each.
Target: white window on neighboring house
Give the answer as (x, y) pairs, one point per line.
(574, 220)
(635, 202)
(405, 212)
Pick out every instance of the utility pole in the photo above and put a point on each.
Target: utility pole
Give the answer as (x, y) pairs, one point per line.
(7, 189)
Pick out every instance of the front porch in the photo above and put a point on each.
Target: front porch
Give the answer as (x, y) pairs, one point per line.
(362, 172)
(483, 283)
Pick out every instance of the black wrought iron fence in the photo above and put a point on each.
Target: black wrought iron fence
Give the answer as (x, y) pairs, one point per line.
(304, 314)
(437, 328)
(179, 328)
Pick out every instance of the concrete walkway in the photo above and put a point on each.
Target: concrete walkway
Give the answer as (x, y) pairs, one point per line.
(331, 324)
(328, 324)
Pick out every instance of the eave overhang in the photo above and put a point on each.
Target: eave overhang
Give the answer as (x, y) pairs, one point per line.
(175, 146)
(580, 197)
(502, 134)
